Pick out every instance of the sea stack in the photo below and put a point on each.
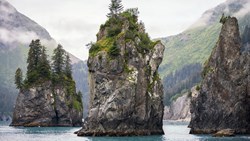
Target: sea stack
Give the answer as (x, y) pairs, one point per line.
(126, 91)
(47, 96)
(224, 95)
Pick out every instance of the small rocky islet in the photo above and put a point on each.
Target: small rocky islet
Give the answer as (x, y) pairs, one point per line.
(126, 92)
(47, 97)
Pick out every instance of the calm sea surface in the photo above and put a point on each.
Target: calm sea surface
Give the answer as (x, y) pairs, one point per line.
(173, 132)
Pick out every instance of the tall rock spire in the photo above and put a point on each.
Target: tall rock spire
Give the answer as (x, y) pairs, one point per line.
(224, 96)
(125, 89)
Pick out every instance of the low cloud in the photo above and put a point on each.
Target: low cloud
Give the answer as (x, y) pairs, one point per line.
(6, 8)
(75, 23)
(243, 11)
(227, 8)
(23, 37)
(203, 20)
(15, 35)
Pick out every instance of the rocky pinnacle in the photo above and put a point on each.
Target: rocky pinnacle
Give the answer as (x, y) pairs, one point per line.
(224, 96)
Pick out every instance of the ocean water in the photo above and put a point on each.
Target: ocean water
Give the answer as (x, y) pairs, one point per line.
(174, 131)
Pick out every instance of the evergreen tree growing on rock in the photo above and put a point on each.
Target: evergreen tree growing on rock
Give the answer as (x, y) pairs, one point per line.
(115, 8)
(19, 78)
(58, 63)
(38, 68)
(34, 59)
(44, 66)
(68, 67)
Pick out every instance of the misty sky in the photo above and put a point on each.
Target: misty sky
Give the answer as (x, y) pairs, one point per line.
(74, 23)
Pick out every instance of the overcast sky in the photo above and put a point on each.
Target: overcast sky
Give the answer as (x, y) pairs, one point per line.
(74, 23)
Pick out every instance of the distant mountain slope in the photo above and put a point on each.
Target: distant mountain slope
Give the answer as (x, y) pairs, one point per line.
(80, 75)
(195, 44)
(11, 21)
(16, 32)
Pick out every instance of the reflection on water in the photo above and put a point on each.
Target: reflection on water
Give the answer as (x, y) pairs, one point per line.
(173, 132)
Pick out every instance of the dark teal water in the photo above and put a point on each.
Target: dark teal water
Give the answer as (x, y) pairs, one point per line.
(173, 132)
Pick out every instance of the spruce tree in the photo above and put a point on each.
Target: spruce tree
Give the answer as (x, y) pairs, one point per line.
(34, 55)
(19, 78)
(115, 8)
(44, 69)
(58, 63)
(68, 67)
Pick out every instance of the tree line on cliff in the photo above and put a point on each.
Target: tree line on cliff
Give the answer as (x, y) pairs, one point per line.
(40, 70)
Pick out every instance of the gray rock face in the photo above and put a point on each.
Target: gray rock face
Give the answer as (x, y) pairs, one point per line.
(40, 106)
(223, 100)
(179, 109)
(126, 92)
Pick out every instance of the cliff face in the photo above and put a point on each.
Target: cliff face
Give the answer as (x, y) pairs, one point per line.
(44, 106)
(223, 100)
(126, 92)
(179, 109)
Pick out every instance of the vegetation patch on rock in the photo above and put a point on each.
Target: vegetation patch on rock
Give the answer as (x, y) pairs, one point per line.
(123, 23)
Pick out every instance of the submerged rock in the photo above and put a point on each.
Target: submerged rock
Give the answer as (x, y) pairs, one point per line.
(125, 89)
(224, 96)
(44, 105)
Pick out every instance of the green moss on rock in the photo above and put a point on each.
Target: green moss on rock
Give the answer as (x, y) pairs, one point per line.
(124, 26)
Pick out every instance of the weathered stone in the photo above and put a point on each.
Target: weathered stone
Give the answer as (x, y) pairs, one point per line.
(126, 93)
(223, 100)
(38, 106)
